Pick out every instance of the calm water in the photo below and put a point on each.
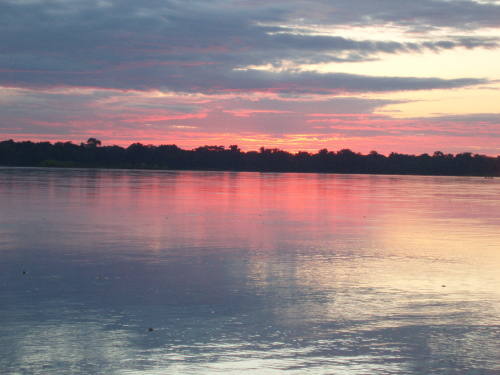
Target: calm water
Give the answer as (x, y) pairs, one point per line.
(247, 273)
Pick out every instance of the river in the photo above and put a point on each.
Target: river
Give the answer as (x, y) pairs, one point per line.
(156, 272)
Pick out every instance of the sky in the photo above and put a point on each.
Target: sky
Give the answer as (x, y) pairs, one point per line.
(387, 75)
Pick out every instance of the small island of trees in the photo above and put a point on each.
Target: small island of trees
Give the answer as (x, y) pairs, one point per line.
(92, 154)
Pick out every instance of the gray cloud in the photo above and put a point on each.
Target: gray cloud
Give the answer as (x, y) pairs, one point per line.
(312, 82)
(195, 46)
(414, 15)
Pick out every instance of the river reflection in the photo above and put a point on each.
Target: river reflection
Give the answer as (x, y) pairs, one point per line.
(247, 273)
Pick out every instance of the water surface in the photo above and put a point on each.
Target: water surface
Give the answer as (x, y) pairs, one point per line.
(247, 273)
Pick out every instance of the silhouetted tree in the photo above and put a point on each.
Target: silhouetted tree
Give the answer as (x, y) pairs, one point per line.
(234, 148)
(92, 142)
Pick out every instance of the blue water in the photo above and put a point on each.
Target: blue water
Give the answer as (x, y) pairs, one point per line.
(247, 273)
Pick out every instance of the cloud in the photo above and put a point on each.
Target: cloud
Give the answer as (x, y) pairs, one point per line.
(202, 46)
(109, 113)
(326, 46)
(413, 15)
(219, 80)
(329, 83)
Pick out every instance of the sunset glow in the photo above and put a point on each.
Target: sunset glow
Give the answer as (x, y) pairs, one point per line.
(389, 75)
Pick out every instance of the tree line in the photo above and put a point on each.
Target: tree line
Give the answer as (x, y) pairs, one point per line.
(92, 154)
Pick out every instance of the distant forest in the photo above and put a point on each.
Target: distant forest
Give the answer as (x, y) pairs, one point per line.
(138, 156)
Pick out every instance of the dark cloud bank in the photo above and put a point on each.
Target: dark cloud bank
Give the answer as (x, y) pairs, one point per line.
(205, 46)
